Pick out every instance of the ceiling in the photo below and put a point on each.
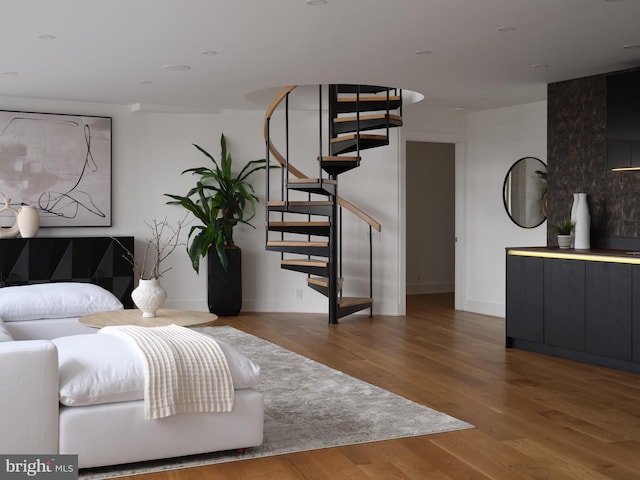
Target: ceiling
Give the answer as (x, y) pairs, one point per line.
(475, 54)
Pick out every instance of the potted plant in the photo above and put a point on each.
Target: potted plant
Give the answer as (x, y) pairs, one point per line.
(564, 230)
(149, 296)
(219, 201)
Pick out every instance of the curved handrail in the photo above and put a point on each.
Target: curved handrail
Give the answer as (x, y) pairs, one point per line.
(282, 94)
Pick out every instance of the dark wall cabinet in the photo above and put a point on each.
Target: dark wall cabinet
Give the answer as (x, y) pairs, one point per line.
(623, 120)
(584, 310)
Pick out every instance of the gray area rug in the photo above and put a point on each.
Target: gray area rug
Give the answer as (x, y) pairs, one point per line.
(307, 406)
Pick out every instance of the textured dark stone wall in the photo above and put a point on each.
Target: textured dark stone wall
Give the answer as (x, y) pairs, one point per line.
(576, 162)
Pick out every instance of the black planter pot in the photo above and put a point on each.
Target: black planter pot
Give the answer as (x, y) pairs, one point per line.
(224, 289)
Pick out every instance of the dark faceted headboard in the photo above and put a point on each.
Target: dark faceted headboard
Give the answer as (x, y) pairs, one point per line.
(68, 259)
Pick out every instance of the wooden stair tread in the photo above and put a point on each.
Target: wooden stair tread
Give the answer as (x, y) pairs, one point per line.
(351, 88)
(282, 203)
(351, 301)
(312, 180)
(307, 262)
(369, 98)
(299, 224)
(323, 281)
(363, 136)
(336, 158)
(375, 116)
(296, 243)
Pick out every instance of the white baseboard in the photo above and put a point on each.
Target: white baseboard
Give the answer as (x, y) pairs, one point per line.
(485, 308)
(315, 305)
(427, 288)
(199, 305)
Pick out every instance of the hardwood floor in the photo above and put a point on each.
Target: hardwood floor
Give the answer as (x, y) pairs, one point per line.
(536, 417)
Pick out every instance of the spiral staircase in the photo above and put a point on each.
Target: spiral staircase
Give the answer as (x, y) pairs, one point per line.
(304, 223)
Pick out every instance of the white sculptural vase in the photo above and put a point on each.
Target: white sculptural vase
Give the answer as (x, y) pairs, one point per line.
(28, 220)
(12, 231)
(149, 297)
(582, 239)
(574, 216)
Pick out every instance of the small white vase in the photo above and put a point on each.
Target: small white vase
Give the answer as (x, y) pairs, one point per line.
(149, 296)
(28, 221)
(583, 224)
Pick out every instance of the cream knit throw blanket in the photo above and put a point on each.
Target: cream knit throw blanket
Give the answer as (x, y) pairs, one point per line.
(186, 372)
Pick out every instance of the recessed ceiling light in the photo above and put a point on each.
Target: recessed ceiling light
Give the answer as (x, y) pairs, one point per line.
(631, 46)
(46, 37)
(176, 67)
(424, 52)
(316, 3)
(209, 52)
(460, 109)
(10, 73)
(146, 82)
(506, 29)
(540, 65)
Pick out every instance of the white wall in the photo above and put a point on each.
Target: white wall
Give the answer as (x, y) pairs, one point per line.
(495, 140)
(151, 149)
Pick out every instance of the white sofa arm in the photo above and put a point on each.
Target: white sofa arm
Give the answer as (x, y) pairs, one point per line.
(29, 399)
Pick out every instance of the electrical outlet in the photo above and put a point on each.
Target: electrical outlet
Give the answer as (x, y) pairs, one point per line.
(299, 293)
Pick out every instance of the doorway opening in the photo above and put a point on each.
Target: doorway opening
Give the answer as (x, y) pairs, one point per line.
(430, 219)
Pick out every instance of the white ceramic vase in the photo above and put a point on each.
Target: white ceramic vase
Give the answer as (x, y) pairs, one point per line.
(28, 221)
(574, 215)
(582, 239)
(149, 296)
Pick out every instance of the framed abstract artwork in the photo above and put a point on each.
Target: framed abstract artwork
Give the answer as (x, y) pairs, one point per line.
(61, 164)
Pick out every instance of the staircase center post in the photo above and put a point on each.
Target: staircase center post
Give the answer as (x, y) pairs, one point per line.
(333, 258)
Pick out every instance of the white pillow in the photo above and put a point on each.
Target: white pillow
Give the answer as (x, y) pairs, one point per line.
(245, 373)
(97, 369)
(55, 300)
(5, 336)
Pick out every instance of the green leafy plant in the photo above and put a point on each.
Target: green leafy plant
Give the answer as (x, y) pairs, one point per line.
(564, 227)
(218, 201)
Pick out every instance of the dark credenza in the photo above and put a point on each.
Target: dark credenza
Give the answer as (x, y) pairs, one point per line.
(97, 260)
(578, 304)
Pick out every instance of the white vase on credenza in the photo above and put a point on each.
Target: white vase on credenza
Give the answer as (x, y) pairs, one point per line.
(28, 221)
(582, 240)
(574, 215)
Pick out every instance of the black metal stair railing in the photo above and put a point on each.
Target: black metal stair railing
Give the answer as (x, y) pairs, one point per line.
(284, 205)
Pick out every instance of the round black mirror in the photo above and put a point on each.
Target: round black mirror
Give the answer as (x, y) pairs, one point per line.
(525, 192)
